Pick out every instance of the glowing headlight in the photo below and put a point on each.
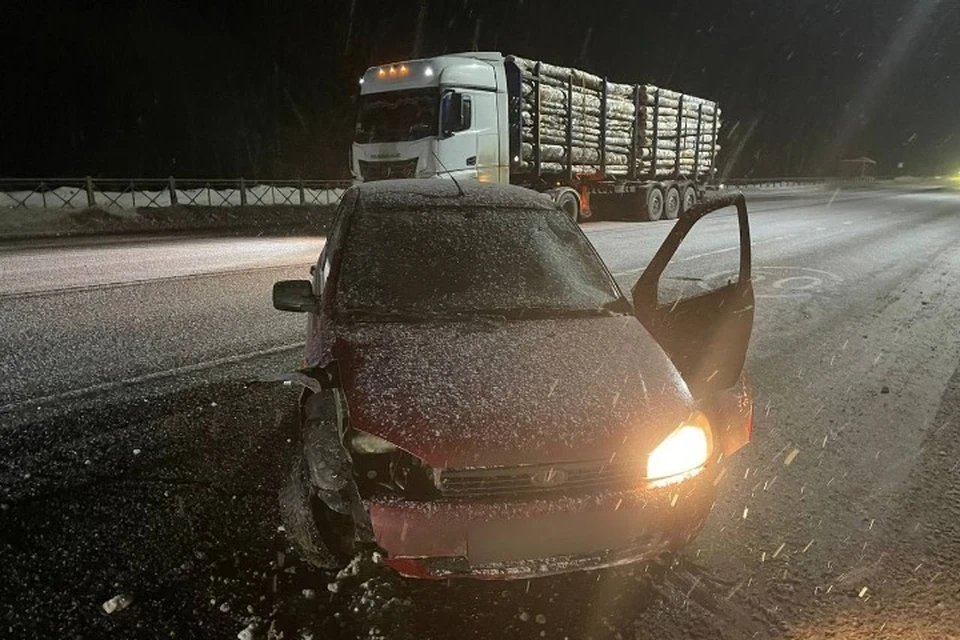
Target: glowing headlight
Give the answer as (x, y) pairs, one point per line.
(365, 443)
(681, 453)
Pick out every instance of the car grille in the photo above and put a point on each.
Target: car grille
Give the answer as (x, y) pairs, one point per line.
(388, 170)
(532, 480)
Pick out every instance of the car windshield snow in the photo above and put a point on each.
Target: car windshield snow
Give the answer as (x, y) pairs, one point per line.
(474, 260)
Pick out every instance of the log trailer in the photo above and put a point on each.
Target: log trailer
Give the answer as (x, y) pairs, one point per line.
(598, 148)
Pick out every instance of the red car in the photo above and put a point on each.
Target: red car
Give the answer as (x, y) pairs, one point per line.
(483, 401)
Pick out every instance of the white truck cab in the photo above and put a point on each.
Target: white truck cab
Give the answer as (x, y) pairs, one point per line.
(594, 146)
(436, 117)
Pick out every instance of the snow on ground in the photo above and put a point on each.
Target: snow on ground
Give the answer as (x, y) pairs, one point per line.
(29, 223)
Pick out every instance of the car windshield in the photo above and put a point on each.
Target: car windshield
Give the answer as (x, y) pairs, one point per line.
(473, 260)
(397, 116)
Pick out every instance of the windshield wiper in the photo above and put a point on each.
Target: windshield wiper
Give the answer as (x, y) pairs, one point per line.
(619, 307)
(382, 315)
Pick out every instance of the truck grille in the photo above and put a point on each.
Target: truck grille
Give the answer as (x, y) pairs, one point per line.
(388, 170)
(532, 480)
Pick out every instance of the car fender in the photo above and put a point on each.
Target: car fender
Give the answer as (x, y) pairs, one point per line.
(731, 415)
(325, 468)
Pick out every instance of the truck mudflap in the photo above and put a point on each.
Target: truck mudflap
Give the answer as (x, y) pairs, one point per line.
(323, 469)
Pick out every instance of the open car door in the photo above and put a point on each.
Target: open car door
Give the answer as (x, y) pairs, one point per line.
(706, 327)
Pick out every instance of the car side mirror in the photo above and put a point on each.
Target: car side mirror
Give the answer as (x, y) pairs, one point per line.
(295, 295)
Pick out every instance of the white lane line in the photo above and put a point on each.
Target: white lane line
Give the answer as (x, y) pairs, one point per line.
(148, 377)
(708, 253)
(833, 197)
(28, 293)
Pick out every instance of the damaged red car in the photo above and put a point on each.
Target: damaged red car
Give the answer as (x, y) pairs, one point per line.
(482, 400)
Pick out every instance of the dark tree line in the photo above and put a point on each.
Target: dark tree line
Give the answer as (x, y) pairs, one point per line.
(267, 88)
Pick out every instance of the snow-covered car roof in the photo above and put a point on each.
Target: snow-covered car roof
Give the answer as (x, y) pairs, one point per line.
(418, 193)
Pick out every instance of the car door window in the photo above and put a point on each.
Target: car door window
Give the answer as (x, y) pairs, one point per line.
(697, 302)
(334, 237)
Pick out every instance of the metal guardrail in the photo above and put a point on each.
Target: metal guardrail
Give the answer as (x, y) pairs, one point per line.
(125, 193)
(801, 181)
(751, 181)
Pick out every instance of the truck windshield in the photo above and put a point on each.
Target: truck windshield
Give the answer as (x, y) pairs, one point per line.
(518, 263)
(397, 116)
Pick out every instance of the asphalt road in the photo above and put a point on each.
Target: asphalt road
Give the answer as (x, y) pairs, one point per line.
(139, 455)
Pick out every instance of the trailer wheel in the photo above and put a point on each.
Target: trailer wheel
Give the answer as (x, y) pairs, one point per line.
(654, 205)
(568, 201)
(671, 206)
(689, 197)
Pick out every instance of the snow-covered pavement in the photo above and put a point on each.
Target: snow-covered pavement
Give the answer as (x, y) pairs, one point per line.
(137, 457)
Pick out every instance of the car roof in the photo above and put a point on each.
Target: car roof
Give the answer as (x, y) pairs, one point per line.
(442, 193)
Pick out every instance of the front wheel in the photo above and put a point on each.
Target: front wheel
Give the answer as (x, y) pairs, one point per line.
(298, 514)
(335, 530)
(320, 495)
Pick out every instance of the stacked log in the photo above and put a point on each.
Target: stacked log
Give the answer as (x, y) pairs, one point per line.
(666, 125)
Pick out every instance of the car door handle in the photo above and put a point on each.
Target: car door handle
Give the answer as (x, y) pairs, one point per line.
(472, 161)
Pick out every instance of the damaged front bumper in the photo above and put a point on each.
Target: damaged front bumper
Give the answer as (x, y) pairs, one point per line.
(499, 538)
(539, 537)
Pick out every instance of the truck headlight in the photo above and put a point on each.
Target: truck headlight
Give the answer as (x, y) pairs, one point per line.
(370, 444)
(681, 454)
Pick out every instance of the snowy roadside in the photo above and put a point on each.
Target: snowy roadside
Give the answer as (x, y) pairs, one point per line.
(36, 223)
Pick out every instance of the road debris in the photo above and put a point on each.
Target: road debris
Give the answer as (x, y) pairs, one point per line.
(118, 602)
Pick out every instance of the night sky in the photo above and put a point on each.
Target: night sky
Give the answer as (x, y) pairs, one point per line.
(266, 89)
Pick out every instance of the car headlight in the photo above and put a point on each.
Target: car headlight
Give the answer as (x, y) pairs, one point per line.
(682, 453)
(367, 443)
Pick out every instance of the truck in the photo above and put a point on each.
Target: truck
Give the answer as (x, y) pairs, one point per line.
(599, 149)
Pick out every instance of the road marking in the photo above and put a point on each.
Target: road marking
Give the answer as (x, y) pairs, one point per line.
(708, 253)
(133, 283)
(803, 286)
(148, 377)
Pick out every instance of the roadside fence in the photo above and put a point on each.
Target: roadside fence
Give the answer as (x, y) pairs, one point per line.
(117, 193)
(125, 193)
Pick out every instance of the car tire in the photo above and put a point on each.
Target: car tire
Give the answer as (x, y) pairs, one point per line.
(336, 531)
(299, 523)
(672, 204)
(689, 197)
(652, 209)
(325, 537)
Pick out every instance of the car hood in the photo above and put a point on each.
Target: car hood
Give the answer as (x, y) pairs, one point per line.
(474, 393)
